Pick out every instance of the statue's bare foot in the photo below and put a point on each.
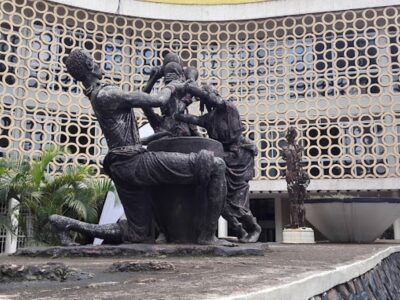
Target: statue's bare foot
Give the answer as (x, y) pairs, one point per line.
(252, 236)
(207, 240)
(215, 242)
(241, 233)
(226, 243)
(161, 239)
(66, 240)
(61, 226)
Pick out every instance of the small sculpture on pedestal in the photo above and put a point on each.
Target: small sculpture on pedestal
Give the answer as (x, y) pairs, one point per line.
(297, 181)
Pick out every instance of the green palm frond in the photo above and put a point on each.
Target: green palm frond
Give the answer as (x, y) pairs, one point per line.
(13, 179)
(72, 176)
(5, 222)
(70, 192)
(39, 166)
(99, 188)
(77, 209)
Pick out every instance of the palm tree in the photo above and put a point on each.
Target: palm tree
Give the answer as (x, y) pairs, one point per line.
(72, 193)
(13, 185)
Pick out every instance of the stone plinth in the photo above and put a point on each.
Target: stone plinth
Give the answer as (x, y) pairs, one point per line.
(303, 235)
(286, 271)
(148, 250)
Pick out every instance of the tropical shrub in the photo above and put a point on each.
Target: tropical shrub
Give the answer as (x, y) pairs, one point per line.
(72, 192)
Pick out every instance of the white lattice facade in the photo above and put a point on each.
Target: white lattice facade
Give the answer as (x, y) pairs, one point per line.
(332, 75)
(335, 76)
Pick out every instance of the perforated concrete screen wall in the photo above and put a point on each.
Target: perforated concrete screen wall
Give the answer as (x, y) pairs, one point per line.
(335, 76)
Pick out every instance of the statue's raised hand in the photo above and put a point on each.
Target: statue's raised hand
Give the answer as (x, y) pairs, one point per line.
(179, 87)
(156, 72)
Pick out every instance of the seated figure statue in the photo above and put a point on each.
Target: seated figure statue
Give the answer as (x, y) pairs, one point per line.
(133, 169)
(223, 124)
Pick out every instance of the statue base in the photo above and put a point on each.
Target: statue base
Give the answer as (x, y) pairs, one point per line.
(302, 235)
(145, 250)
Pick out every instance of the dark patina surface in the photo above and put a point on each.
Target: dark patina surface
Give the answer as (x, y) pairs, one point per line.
(297, 179)
(134, 170)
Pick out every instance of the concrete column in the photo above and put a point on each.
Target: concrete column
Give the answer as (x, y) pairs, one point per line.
(12, 236)
(396, 229)
(278, 220)
(396, 224)
(222, 227)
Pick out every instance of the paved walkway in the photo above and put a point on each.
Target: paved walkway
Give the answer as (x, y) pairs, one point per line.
(193, 277)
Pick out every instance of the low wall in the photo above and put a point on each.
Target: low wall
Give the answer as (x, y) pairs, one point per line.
(381, 282)
(371, 277)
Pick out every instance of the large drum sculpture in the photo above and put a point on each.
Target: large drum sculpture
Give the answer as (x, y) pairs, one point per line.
(178, 208)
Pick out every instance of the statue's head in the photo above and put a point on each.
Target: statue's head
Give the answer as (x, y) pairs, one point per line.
(173, 71)
(213, 95)
(81, 66)
(172, 57)
(291, 134)
(191, 73)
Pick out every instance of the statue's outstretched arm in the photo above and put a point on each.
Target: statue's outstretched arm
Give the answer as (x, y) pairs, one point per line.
(140, 99)
(155, 74)
(204, 95)
(191, 119)
(198, 92)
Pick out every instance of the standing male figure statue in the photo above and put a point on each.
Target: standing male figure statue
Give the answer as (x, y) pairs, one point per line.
(223, 124)
(134, 169)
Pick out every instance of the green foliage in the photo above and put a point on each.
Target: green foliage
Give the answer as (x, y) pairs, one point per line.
(72, 192)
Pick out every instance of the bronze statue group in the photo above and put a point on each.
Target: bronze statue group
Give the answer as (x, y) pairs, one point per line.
(134, 169)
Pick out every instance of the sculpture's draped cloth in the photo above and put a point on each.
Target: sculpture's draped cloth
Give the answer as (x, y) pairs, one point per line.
(240, 170)
(224, 125)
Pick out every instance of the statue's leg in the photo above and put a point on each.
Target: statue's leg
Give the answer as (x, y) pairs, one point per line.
(216, 193)
(236, 226)
(252, 227)
(109, 232)
(298, 207)
(302, 211)
(151, 169)
(238, 205)
(293, 208)
(137, 207)
(203, 169)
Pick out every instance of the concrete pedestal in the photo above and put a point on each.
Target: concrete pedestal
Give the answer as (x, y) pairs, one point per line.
(396, 229)
(303, 235)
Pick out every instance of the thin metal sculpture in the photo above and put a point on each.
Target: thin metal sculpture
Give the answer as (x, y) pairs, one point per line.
(297, 179)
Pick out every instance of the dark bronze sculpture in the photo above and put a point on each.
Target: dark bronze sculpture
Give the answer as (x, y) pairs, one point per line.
(173, 72)
(134, 169)
(297, 179)
(223, 124)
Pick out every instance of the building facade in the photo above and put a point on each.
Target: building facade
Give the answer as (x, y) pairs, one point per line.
(330, 70)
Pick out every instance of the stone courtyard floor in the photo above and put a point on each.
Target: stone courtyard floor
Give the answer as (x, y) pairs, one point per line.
(202, 277)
